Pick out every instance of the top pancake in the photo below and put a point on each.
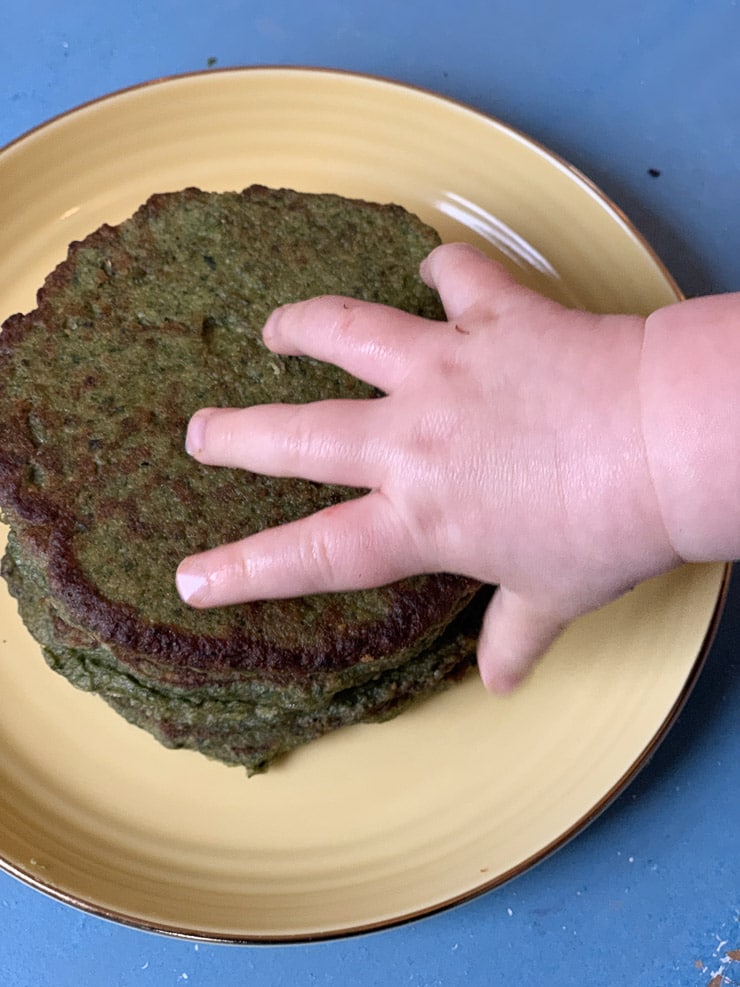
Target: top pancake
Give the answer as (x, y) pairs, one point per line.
(139, 327)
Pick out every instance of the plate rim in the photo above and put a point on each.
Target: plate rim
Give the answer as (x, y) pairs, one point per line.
(191, 933)
(274, 68)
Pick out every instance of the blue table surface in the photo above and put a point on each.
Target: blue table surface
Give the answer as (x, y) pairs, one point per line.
(644, 98)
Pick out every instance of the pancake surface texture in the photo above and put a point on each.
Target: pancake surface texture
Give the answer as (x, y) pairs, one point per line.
(139, 327)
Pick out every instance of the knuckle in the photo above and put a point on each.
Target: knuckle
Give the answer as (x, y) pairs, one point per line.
(344, 319)
(317, 554)
(454, 361)
(299, 439)
(434, 433)
(233, 563)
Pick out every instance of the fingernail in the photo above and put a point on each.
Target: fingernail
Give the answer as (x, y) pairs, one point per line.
(425, 268)
(502, 682)
(190, 585)
(267, 327)
(196, 433)
(269, 330)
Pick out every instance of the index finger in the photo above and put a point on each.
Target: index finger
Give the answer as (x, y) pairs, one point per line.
(374, 342)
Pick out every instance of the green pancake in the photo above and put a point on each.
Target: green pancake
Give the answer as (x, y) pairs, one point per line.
(140, 326)
(235, 725)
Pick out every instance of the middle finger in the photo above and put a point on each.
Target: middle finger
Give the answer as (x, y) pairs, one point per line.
(331, 441)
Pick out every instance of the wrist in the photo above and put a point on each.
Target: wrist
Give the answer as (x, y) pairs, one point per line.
(690, 405)
(607, 488)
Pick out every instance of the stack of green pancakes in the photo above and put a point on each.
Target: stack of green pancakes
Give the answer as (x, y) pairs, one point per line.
(140, 326)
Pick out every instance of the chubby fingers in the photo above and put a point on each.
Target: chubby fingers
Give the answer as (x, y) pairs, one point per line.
(331, 441)
(376, 343)
(357, 544)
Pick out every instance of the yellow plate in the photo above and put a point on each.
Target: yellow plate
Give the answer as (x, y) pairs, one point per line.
(374, 824)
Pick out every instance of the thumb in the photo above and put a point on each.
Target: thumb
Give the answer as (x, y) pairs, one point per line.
(513, 636)
(465, 277)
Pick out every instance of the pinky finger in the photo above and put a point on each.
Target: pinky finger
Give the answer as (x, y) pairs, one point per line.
(357, 544)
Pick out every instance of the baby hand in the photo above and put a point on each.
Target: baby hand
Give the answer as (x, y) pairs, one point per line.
(508, 447)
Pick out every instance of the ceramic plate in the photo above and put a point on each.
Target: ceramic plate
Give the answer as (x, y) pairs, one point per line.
(375, 824)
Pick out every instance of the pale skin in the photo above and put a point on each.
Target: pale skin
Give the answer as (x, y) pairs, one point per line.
(561, 455)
